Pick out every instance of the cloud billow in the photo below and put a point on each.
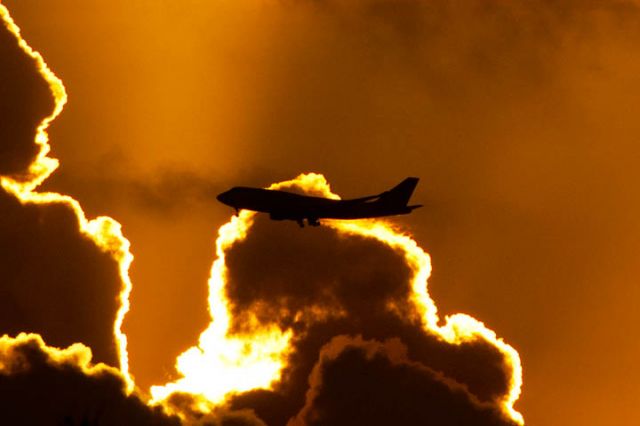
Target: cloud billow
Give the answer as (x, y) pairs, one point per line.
(323, 284)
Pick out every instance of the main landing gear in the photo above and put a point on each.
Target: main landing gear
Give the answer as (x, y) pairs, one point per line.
(310, 220)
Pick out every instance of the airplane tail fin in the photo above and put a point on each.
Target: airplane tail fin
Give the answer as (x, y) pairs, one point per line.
(400, 194)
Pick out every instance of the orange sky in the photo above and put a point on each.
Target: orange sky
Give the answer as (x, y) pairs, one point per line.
(518, 117)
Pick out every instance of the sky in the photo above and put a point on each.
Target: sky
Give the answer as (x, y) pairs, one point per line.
(518, 117)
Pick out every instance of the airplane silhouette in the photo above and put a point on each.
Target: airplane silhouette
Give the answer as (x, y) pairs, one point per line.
(282, 205)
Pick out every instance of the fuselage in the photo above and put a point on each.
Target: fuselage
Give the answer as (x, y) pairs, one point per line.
(286, 205)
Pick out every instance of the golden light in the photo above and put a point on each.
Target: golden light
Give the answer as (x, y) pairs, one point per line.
(221, 364)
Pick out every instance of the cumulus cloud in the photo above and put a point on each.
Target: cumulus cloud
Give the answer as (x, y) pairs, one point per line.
(56, 281)
(320, 284)
(367, 382)
(41, 385)
(188, 406)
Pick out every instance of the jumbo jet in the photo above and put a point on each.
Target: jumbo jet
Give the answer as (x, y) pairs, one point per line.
(282, 205)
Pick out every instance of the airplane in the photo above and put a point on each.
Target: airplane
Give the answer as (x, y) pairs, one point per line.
(283, 205)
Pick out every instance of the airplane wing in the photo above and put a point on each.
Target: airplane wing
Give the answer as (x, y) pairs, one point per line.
(362, 199)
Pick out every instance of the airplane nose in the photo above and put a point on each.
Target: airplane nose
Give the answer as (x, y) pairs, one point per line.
(223, 197)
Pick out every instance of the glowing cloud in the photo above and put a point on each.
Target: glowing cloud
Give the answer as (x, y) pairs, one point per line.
(77, 355)
(222, 365)
(64, 387)
(105, 232)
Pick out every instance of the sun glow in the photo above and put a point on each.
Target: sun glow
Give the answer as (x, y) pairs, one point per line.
(222, 365)
(104, 231)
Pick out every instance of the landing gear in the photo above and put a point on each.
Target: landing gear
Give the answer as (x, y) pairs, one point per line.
(311, 221)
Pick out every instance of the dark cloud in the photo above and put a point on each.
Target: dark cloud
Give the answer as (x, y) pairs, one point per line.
(279, 266)
(45, 386)
(372, 383)
(55, 280)
(189, 407)
(321, 284)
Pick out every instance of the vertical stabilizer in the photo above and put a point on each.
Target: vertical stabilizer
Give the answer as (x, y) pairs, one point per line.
(400, 194)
